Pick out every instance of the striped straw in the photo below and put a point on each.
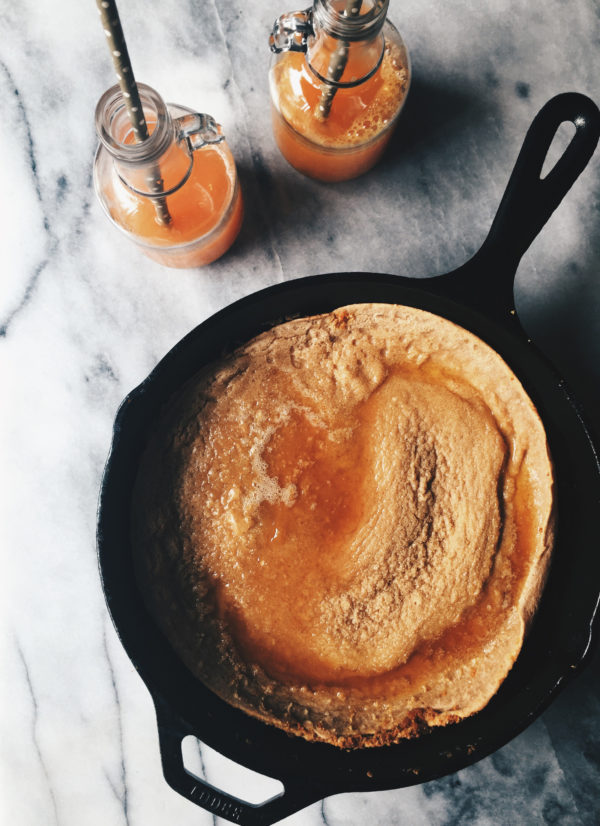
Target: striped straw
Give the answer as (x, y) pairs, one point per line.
(124, 71)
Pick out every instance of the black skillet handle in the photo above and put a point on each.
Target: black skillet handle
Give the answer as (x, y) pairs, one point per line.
(529, 199)
(295, 796)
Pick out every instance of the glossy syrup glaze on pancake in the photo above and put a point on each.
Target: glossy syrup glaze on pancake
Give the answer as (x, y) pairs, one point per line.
(343, 528)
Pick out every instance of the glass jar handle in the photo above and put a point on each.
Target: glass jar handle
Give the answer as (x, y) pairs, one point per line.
(291, 32)
(198, 130)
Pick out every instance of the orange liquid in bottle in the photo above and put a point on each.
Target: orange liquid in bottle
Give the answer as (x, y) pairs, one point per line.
(360, 123)
(206, 213)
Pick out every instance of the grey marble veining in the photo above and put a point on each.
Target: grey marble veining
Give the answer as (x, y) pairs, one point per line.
(83, 318)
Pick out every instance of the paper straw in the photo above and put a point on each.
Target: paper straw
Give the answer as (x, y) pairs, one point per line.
(337, 64)
(124, 71)
(338, 61)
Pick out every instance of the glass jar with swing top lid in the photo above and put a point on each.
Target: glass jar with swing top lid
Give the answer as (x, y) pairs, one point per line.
(175, 194)
(338, 80)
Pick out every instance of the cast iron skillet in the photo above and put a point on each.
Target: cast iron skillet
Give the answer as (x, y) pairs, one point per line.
(478, 296)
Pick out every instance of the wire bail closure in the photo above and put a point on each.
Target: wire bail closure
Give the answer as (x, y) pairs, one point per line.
(291, 32)
(195, 131)
(198, 130)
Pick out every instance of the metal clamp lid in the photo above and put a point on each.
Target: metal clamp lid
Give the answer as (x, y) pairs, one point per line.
(291, 32)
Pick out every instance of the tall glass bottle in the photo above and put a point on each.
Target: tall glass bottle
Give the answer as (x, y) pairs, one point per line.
(175, 194)
(338, 81)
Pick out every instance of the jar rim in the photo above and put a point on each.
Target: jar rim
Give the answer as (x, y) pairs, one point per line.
(112, 104)
(350, 27)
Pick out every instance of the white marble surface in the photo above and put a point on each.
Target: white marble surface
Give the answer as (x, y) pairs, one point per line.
(83, 318)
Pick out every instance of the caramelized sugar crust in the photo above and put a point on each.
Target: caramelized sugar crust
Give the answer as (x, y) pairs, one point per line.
(343, 528)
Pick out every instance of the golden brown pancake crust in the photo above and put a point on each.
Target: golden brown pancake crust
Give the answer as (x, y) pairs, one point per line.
(343, 528)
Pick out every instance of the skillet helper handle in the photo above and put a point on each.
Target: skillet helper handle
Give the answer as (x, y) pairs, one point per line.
(295, 796)
(529, 199)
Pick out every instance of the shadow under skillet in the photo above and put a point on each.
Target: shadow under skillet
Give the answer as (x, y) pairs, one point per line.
(563, 319)
(573, 723)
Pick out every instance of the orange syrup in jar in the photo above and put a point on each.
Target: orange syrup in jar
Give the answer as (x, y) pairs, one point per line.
(351, 137)
(205, 215)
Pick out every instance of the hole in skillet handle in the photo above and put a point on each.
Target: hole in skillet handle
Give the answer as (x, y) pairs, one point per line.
(486, 281)
(295, 795)
(228, 775)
